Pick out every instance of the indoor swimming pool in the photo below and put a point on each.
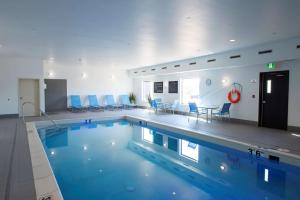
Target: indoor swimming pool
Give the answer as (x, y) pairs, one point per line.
(121, 159)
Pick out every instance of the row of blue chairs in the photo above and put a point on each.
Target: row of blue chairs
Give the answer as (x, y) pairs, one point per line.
(94, 105)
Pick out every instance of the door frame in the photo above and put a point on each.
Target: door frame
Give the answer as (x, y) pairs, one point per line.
(260, 106)
(39, 97)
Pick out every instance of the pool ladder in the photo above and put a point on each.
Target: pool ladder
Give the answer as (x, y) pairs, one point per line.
(42, 112)
(143, 123)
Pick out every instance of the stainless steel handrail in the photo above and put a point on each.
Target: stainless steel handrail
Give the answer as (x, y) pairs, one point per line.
(42, 112)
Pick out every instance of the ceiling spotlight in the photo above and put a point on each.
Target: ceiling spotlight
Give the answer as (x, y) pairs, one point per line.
(84, 75)
(232, 40)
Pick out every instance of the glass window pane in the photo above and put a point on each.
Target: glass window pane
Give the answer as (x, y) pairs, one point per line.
(190, 90)
(147, 90)
(269, 86)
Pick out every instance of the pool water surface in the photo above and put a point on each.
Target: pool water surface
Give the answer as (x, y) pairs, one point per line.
(122, 160)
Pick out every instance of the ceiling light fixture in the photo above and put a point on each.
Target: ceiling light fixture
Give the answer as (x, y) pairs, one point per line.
(232, 40)
(84, 75)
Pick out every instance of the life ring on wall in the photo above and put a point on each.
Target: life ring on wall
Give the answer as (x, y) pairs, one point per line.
(234, 96)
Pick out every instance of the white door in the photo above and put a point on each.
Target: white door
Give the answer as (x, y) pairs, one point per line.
(29, 97)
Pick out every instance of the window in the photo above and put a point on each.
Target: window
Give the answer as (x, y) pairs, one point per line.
(147, 90)
(189, 150)
(147, 135)
(269, 86)
(190, 91)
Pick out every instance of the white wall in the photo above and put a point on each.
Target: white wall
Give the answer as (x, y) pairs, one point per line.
(11, 70)
(99, 81)
(247, 109)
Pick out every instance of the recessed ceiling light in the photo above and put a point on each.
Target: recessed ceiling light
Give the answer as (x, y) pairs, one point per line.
(84, 75)
(232, 40)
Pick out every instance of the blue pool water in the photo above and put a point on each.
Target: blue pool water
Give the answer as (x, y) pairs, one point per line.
(121, 160)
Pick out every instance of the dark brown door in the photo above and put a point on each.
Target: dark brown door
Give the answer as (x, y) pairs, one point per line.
(273, 99)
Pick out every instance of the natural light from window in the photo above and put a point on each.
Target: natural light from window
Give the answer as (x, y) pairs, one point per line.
(190, 150)
(147, 89)
(190, 91)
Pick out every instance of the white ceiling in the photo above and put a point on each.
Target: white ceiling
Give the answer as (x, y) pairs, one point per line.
(133, 33)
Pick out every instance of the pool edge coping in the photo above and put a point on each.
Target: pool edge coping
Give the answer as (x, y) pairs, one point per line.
(35, 142)
(44, 179)
(285, 157)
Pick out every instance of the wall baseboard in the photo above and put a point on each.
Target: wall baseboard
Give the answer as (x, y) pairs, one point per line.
(294, 129)
(9, 116)
(235, 120)
(243, 121)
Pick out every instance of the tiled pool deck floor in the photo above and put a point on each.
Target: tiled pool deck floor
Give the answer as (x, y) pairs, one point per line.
(16, 178)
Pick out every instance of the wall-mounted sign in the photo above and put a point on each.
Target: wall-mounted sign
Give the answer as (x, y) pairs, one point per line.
(158, 87)
(271, 65)
(208, 82)
(173, 87)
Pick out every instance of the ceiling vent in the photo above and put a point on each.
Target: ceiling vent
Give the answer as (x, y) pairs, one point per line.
(265, 51)
(144, 71)
(211, 60)
(236, 56)
(298, 46)
(164, 68)
(193, 63)
(176, 66)
(135, 72)
(153, 69)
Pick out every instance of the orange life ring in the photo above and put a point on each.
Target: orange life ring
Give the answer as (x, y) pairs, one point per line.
(237, 95)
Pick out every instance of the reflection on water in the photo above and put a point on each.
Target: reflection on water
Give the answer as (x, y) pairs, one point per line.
(219, 170)
(122, 152)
